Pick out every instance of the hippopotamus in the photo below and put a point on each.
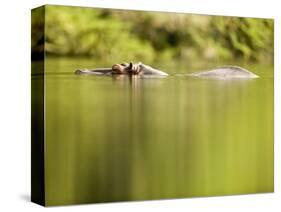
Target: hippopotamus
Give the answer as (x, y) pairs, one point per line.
(226, 72)
(137, 69)
(140, 69)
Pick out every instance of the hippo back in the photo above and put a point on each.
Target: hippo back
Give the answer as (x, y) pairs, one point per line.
(226, 72)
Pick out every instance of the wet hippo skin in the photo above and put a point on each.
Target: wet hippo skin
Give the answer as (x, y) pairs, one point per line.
(226, 72)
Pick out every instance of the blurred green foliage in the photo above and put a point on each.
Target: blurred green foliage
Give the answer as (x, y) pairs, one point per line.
(119, 35)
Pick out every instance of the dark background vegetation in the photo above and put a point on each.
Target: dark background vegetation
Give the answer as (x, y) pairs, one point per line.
(121, 35)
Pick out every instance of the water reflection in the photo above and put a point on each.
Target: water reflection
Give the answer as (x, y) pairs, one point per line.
(117, 139)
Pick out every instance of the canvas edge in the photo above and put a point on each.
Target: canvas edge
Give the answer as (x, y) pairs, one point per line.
(37, 110)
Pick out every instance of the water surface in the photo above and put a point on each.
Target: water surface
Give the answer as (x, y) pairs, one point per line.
(117, 139)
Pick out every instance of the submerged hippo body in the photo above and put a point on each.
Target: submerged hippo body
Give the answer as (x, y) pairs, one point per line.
(226, 72)
(124, 69)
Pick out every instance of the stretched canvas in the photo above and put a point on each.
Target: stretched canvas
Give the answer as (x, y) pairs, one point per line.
(137, 105)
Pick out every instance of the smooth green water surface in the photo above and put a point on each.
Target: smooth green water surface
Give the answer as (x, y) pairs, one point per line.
(119, 139)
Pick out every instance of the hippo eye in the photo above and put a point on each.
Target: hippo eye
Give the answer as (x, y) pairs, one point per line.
(114, 69)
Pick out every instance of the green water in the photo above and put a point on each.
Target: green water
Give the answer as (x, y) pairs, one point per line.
(119, 139)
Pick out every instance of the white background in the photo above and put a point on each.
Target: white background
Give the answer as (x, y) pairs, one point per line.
(15, 104)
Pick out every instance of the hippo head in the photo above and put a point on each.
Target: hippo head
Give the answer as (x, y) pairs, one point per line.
(125, 68)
